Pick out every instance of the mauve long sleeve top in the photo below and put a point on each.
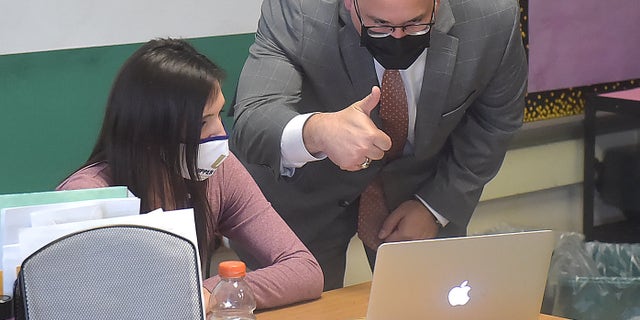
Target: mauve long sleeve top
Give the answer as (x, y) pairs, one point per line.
(241, 213)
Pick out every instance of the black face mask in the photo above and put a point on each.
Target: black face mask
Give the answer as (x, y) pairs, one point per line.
(393, 53)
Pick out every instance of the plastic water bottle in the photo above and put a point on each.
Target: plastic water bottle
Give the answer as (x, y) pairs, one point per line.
(232, 299)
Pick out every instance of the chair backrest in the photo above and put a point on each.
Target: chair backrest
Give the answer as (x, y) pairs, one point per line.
(114, 272)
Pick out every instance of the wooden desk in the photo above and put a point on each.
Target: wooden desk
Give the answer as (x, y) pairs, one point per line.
(349, 303)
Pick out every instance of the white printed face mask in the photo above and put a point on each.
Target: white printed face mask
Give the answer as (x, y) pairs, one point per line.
(211, 152)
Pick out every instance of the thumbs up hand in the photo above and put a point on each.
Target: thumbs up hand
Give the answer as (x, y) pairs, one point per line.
(368, 103)
(348, 137)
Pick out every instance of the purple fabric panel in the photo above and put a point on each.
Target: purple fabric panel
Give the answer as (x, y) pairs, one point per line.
(576, 43)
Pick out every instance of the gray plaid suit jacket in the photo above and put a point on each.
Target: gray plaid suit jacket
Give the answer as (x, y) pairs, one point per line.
(307, 58)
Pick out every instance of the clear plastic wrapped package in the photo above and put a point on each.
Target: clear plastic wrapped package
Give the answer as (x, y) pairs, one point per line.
(593, 280)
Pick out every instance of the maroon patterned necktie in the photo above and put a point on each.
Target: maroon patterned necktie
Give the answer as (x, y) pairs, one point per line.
(395, 122)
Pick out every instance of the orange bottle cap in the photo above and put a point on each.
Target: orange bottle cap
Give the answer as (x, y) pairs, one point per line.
(232, 269)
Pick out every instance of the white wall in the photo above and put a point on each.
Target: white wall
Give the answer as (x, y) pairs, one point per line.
(41, 25)
(541, 187)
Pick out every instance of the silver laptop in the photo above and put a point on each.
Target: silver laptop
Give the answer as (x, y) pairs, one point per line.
(491, 277)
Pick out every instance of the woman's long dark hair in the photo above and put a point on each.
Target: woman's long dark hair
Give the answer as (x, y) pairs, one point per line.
(156, 104)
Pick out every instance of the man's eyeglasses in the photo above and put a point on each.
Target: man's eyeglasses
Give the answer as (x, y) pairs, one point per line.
(417, 29)
(382, 31)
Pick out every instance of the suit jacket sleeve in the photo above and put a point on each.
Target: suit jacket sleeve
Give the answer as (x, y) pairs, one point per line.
(269, 85)
(476, 148)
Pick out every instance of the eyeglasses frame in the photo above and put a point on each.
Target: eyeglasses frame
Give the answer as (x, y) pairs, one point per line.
(394, 27)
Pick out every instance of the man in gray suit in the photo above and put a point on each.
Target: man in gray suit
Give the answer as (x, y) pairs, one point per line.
(308, 124)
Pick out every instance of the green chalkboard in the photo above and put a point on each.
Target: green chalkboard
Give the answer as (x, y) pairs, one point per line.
(52, 104)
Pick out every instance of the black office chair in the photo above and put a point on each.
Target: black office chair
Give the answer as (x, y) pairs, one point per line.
(113, 272)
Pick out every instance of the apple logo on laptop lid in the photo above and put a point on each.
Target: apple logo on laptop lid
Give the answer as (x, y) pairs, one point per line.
(459, 295)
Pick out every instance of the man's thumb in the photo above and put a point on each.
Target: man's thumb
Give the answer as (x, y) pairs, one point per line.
(370, 101)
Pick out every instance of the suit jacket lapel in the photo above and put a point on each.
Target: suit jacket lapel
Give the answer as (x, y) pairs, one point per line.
(441, 59)
(358, 61)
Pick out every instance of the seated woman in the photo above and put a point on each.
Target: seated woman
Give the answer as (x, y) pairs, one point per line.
(162, 137)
